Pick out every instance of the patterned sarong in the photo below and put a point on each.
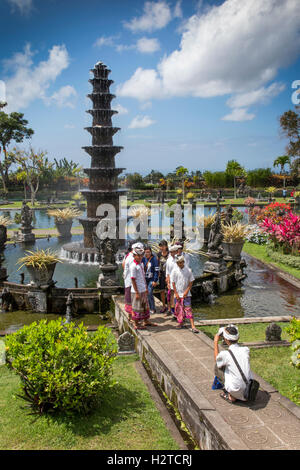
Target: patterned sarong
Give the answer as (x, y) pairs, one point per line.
(128, 307)
(183, 309)
(140, 307)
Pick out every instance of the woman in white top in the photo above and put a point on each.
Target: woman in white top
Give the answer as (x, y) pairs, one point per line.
(226, 369)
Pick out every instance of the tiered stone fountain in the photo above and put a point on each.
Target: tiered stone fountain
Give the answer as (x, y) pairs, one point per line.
(103, 174)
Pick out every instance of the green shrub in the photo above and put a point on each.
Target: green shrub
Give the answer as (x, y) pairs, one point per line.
(294, 331)
(61, 367)
(290, 260)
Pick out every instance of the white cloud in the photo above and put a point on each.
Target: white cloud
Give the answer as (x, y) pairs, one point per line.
(239, 114)
(143, 85)
(260, 96)
(148, 45)
(64, 97)
(24, 6)
(124, 47)
(30, 82)
(156, 16)
(177, 10)
(235, 48)
(105, 41)
(121, 109)
(140, 122)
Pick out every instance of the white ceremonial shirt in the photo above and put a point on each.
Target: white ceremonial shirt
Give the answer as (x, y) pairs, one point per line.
(170, 265)
(234, 383)
(137, 272)
(182, 278)
(126, 274)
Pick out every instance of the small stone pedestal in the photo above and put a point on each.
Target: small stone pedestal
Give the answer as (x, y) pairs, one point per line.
(108, 286)
(26, 235)
(38, 300)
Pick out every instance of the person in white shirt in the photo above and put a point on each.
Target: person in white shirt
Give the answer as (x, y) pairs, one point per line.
(126, 276)
(180, 252)
(139, 293)
(226, 369)
(170, 264)
(182, 280)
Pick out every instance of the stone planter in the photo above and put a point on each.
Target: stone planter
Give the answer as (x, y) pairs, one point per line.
(233, 250)
(41, 277)
(3, 236)
(64, 228)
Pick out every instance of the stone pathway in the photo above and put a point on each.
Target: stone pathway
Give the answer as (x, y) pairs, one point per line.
(272, 422)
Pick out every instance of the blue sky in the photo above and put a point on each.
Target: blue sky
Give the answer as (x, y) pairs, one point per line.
(197, 82)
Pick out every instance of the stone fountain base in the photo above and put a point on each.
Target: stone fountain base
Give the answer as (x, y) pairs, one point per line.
(76, 252)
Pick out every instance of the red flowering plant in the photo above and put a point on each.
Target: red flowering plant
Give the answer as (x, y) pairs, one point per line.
(285, 234)
(275, 211)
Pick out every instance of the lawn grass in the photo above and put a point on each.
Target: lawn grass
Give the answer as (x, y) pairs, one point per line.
(252, 332)
(127, 419)
(259, 252)
(273, 365)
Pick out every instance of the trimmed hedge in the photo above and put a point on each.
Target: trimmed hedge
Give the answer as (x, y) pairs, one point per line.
(290, 260)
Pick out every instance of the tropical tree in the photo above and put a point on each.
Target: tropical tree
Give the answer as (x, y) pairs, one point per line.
(282, 161)
(13, 127)
(234, 170)
(181, 171)
(290, 128)
(33, 164)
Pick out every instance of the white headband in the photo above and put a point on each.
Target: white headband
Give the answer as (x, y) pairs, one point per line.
(174, 248)
(138, 251)
(227, 335)
(137, 245)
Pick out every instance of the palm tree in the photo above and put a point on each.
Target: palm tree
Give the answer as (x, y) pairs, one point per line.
(282, 161)
(182, 171)
(235, 170)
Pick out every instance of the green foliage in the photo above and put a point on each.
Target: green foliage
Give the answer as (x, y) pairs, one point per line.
(290, 260)
(217, 179)
(294, 331)
(259, 177)
(61, 367)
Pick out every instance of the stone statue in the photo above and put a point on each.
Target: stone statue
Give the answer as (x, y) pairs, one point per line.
(273, 332)
(208, 292)
(26, 216)
(6, 300)
(215, 237)
(26, 234)
(228, 216)
(126, 343)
